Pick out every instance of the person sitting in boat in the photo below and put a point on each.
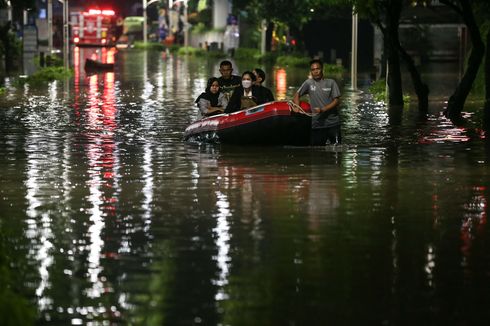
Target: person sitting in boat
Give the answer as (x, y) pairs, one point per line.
(228, 82)
(259, 79)
(247, 95)
(212, 101)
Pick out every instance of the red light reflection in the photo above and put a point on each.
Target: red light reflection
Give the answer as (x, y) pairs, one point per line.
(281, 84)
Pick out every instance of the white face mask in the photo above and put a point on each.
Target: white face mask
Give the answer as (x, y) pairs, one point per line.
(246, 83)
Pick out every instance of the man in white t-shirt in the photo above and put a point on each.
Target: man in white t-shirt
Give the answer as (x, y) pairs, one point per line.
(324, 97)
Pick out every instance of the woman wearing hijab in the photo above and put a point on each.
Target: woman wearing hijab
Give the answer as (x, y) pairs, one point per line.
(247, 95)
(212, 101)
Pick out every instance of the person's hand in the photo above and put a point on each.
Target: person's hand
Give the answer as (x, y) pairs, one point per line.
(316, 110)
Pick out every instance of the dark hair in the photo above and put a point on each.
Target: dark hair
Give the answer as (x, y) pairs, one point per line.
(317, 61)
(260, 73)
(225, 63)
(251, 74)
(210, 82)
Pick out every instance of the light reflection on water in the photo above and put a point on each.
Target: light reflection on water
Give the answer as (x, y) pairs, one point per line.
(125, 223)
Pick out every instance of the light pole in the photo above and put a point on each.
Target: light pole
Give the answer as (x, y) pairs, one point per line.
(146, 3)
(354, 51)
(50, 26)
(66, 36)
(9, 11)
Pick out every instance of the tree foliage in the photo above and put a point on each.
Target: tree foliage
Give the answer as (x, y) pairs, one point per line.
(19, 4)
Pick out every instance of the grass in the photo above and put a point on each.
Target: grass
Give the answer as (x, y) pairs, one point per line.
(378, 90)
(149, 46)
(188, 50)
(46, 75)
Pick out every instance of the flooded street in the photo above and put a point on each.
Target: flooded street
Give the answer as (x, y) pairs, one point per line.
(111, 219)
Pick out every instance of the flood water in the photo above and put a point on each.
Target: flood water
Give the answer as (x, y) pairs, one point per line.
(108, 218)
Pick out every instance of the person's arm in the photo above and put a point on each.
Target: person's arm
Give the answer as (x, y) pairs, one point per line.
(223, 101)
(302, 90)
(234, 103)
(336, 99)
(203, 105)
(296, 98)
(328, 107)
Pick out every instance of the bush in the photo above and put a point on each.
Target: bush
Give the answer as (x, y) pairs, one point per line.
(269, 58)
(45, 75)
(293, 61)
(188, 50)
(378, 90)
(149, 46)
(247, 54)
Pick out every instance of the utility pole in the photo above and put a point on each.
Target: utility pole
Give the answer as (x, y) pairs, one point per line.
(145, 28)
(66, 33)
(263, 36)
(354, 51)
(50, 26)
(9, 11)
(186, 25)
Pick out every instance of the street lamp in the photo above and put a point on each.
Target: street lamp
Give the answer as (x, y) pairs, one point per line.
(9, 11)
(146, 3)
(186, 31)
(354, 51)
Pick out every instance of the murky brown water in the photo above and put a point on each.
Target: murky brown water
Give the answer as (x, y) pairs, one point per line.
(111, 219)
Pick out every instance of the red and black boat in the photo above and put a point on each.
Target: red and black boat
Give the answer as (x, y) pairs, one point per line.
(274, 123)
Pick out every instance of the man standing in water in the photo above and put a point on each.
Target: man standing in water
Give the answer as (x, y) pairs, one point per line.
(228, 82)
(324, 100)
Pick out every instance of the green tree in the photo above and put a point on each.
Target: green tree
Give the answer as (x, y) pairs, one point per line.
(481, 9)
(7, 38)
(385, 14)
(294, 14)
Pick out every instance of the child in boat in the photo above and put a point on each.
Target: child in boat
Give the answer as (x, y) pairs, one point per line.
(212, 101)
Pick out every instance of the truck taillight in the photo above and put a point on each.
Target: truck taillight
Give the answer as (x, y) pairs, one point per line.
(76, 40)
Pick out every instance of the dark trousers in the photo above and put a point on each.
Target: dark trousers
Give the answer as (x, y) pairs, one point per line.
(320, 136)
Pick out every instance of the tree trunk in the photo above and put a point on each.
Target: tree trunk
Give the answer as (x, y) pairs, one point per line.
(421, 89)
(268, 36)
(486, 108)
(395, 93)
(7, 47)
(458, 98)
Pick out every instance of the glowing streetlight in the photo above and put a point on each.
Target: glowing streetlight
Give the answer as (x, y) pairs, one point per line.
(9, 11)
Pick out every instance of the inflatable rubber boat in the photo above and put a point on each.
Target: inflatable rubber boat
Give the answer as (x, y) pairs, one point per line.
(273, 123)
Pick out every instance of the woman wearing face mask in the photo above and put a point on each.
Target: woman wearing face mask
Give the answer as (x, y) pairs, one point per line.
(245, 96)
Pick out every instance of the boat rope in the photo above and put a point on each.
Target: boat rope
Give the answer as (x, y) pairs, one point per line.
(296, 108)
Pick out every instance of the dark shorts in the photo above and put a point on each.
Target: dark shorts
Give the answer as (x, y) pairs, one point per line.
(323, 136)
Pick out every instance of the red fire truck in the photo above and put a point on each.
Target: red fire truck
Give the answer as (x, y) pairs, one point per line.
(94, 27)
